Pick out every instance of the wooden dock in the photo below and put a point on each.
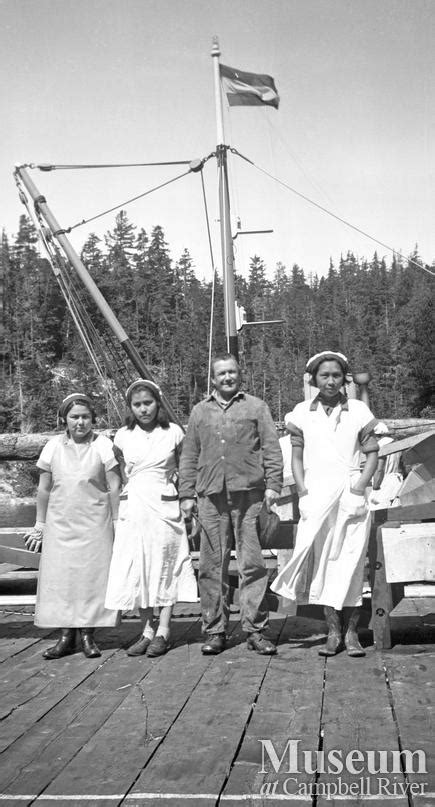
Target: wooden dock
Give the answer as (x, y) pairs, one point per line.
(187, 729)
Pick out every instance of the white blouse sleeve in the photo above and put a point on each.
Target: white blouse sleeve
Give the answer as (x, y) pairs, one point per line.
(178, 434)
(105, 450)
(46, 455)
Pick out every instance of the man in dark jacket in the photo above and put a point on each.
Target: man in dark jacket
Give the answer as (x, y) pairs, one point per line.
(232, 462)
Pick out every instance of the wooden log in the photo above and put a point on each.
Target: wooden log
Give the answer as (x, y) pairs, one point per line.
(17, 446)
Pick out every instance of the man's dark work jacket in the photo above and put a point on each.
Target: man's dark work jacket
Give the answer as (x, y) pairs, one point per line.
(235, 444)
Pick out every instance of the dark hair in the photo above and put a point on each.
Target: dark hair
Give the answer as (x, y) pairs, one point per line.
(80, 402)
(222, 357)
(162, 417)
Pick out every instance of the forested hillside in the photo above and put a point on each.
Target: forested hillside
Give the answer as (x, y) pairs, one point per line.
(379, 314)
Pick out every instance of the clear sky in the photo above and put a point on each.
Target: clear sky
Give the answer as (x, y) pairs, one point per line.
(89, 81)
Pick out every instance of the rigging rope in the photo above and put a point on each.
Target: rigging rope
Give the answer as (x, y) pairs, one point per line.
(123, 204)
(91, 339)
(333, 215)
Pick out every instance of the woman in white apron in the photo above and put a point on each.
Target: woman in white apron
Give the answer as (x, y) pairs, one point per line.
(77, 503)
(328, 434)
(151, 566)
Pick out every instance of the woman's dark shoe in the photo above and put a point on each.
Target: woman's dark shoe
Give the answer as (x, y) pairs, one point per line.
(263, 646)
(140, 647)
(215, 645)
(158, 647)
(64, 647)
(89, 647)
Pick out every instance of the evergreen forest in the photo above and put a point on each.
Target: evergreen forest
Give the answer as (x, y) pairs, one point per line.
(379, 314)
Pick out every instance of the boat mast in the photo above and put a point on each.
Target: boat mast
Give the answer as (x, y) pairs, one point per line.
(224, 213)
(114, 324)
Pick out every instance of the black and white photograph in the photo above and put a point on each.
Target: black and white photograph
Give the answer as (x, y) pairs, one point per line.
(217, 419)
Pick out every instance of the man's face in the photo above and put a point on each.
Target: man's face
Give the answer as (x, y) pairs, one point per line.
(226, 378)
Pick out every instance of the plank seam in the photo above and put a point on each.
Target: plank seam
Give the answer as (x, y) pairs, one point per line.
(221, 796)
(321, 734)
(110, 657)
(399, 738)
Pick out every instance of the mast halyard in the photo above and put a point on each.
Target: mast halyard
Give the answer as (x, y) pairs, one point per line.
(227, 250)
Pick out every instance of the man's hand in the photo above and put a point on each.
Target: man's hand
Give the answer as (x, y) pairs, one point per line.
(187, 508)
(270, 497)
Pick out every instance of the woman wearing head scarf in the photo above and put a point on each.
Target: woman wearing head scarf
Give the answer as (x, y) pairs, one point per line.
(151, 567)
(328, 434)
(77, 505)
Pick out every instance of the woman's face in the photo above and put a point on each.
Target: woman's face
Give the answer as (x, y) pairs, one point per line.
(329, 378)
(79, 422)
(144, 407)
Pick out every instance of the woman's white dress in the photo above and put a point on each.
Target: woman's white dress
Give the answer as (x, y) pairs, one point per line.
(327, 565)
(78, 535)
(151, 565)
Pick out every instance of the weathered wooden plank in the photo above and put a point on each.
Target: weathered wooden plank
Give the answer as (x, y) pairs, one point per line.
(382, 601)
(17, 634)
(13, 549)
(420, 494)
(417, 445)
(420, 591)
(410, 512)
(411, 682)
(35, 759)
(111, 760)
(409, 552)
(287, 709)
(357, 721)
(198, 751)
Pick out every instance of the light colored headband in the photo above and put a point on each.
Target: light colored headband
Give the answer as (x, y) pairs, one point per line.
(324, 356)
(74, 396)
(143, 382)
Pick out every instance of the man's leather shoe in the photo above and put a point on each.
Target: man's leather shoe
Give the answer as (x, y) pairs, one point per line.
(215, 645)
(258, 642)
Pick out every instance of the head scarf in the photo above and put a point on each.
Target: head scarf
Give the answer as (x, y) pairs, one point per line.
(327, 355)
(69, 401)
(144, 382)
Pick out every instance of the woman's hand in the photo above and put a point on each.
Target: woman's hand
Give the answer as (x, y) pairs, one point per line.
(33, 538)
(353, 502)
(302, 503)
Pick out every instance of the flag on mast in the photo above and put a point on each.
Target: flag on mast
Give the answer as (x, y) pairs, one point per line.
(248, 89)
